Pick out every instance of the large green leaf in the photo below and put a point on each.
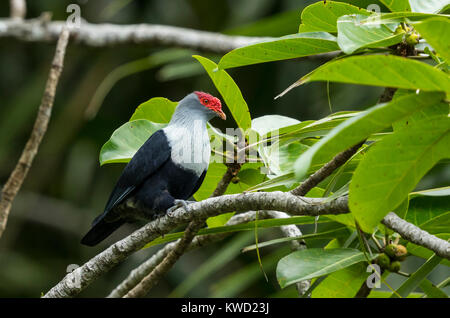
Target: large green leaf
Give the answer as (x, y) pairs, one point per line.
(392, 168)
(344, 283)
(126, 140)
(437, 32)
(430, 212)
(379, 70)
(355, 32)
(229, 91)
(287, 47)
(271, 123)
(157, 110)
(323, 15)
(432, 291)
(397, 5)
(428, 6)
(358, 128)
(417, 277)
(315, 262)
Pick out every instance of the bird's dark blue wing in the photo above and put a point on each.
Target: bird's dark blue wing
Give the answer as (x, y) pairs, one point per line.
(151, 156)
(199, 183)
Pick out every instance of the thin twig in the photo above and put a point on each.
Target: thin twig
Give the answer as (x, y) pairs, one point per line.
(18, 9)
(141, 289)
(14, 183)
(326, 170)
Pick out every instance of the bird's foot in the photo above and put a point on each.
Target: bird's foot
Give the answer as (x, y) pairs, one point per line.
(178, 204)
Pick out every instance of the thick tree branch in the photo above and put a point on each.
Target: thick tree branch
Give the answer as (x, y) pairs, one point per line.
(12, 186)
(137, 274)
(242, 202)
(107, 35)
(412, 233)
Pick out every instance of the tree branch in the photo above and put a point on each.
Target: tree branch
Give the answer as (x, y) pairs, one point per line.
(137, 274)
(143, 287)
(107, 35)
(292, 231)
(14, 183)
(326, 170)
(242, 202)
(412, 233)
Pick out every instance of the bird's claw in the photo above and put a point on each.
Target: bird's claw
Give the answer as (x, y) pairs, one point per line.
(178, 204)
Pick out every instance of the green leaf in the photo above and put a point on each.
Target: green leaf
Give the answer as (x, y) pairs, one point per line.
(266, 124)
(430, 213)
(287, 47)
(229, 91)
(379, 70)
(397, 5)
(432, 291)
(405, 16)
(322, 16)
(358, 128)
(417, 277)
(428, 6)
(157, 110)
(355, 32)
(344, 283)
(126, 140)
(437, 32)
(315, 262)
(392, 168)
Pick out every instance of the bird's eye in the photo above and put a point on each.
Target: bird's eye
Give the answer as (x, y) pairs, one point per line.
(205, 101)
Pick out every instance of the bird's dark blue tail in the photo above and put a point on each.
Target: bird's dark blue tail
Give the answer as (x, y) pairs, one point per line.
(100, 230)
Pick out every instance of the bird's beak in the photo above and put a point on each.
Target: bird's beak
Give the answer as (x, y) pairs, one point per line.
(221, 114)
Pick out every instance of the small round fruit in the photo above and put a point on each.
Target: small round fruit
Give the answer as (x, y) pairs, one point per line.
(401, 252)
(394, 267)
(399, 29)
(383, 260)
(390, 250)
(412, 38)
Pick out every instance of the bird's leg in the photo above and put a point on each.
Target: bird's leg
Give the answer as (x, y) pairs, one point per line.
(178, 204)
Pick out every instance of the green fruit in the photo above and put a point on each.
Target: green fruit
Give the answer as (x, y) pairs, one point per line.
(399, 30)
(412, 38)
(390, 250)
(383, 260)
(394, 267)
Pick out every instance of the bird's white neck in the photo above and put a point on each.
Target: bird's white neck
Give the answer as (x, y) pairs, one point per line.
(189, 142)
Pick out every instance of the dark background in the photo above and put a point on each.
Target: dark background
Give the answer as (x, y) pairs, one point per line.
(66, 188)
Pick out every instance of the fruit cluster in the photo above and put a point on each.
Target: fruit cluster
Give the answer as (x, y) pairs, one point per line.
(392, 256)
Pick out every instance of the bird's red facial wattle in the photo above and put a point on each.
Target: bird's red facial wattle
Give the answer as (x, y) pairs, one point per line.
(212, 103)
